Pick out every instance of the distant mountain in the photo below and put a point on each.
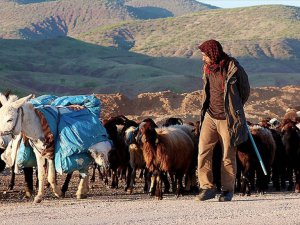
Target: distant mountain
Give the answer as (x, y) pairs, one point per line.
(27, 1)
(38, 19)
(58, 18)
(266, 38)
(258, 32)
(153, 9)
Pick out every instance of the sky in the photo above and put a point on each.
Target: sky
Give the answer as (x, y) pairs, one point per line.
(244, 3)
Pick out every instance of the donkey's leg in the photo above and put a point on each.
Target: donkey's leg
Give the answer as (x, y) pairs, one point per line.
(83, 187)
(52, 179)
(41, 175)
(66, 184)
(28, 175)
(86, 187)
(12, 178)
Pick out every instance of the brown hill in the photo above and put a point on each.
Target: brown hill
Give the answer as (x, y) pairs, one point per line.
(41, 19)
(58, 18)
(263, 102)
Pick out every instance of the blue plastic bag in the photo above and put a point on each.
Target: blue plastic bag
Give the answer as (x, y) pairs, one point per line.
(25, 156)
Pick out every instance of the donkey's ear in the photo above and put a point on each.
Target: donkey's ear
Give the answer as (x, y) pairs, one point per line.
(3, 99)
(12, 98)
(17, 104)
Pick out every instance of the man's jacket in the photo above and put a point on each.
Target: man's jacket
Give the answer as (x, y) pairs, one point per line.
(236, 93)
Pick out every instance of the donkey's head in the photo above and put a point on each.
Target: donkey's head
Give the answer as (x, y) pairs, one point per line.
(4, 140)
(11, 114)
(11, 149)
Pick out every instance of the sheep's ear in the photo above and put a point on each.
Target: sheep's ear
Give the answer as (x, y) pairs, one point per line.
(17, 104)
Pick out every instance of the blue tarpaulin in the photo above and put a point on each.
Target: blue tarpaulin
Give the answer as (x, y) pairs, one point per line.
(74, 130)
(25, 156)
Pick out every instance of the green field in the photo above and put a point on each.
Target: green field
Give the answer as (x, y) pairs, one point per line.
(70, 66)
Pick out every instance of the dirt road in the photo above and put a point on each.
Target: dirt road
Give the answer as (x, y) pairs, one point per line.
(113, 206)
(273, 208)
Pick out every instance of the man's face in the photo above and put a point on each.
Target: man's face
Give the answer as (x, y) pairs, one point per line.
(206, 59)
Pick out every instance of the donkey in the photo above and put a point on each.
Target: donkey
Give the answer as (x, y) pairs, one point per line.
(20, 117)
(4, 143)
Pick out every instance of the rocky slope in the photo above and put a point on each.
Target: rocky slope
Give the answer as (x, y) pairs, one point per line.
(263, 102)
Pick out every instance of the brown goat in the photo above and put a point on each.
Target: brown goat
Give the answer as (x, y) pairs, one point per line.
(190, 178)
(166, 150)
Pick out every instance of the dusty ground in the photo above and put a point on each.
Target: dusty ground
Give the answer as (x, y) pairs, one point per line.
(107, 206)
(269, 209)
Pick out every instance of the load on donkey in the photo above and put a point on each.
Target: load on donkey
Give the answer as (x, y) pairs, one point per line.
(70, 139)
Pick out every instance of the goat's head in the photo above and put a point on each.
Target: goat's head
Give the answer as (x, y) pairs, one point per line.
(173, 121)
(130, 135)
(9, 116)
(286, 125)
(147, 134)
(274, 123)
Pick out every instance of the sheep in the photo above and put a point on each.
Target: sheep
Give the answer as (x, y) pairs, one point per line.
(291, 140)
(280, 159)
(118, 157)
(172, 121)
(166, 150)
(280, 162)
(247, 159)
(163, 175)
(190, 178)
(136, 157)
